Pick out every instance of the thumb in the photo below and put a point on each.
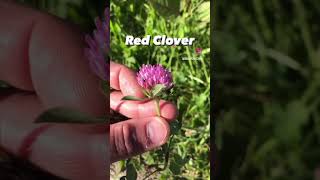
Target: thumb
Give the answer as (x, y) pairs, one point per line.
(136, 136)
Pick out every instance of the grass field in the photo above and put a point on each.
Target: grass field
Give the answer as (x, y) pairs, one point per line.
(188, 153)
(267, 84)
(186, 156)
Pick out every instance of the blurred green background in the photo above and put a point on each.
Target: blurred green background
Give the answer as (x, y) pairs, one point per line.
(186, 156)
(267, 81)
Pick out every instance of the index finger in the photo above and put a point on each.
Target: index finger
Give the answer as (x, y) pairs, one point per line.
(43, 54)
(124, 79)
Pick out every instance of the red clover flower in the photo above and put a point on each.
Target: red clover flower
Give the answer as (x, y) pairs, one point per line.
(151, 75)
(155, 80)
(97, 53)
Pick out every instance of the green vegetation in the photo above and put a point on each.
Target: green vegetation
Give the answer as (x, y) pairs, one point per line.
(188, 153)
(188, 150)
(267, 81)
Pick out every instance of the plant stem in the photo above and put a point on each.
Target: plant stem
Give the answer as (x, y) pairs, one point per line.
(157, 101)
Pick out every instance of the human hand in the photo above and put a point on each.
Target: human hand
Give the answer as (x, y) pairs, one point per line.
(144, 131)
(43, 57)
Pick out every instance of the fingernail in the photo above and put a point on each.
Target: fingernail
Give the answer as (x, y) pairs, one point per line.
(156, 132)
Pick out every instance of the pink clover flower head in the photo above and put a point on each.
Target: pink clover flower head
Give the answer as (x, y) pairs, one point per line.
(151, 75)
(99, 45)
(198, 50)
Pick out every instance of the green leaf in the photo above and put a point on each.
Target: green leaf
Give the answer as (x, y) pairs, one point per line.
(146, 93)
(166, 8)
(67, 115)
(133, 98)
(131, 172)
(3, 84)
(290, 120)
(158, 89)
(176, 164)
(203, 14)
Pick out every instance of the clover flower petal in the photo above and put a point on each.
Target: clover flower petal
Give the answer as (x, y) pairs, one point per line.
(99, 45)
(151, 75)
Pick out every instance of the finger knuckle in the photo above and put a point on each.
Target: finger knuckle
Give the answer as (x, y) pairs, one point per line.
(124, 140)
